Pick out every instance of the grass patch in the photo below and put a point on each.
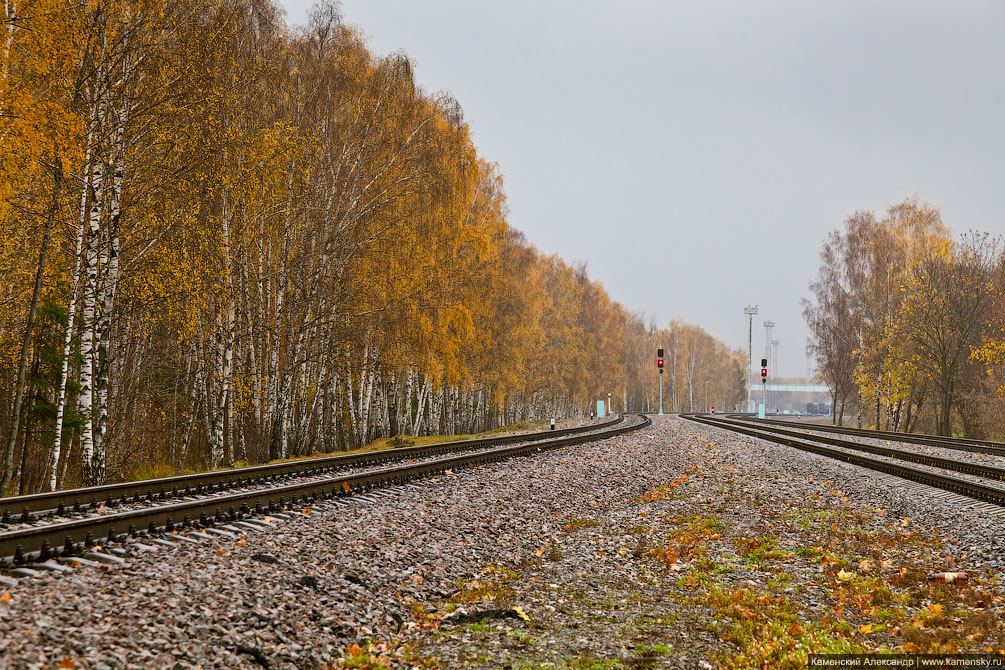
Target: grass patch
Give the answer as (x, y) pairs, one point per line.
(372, 655)
(520, 637)
(585, 662)
(757, 550)
(496, 586)
(768, 629)
(575, 523)
(688, 540)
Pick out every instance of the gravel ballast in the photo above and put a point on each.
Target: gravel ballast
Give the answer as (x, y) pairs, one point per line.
(642, 551)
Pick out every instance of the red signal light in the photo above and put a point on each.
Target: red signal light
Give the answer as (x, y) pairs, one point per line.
(764, 372)
(659, 362)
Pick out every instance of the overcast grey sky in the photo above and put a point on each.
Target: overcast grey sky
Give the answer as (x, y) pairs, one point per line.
(695, 154)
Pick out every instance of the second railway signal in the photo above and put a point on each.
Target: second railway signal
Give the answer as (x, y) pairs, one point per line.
(764, 388)
(659, 364)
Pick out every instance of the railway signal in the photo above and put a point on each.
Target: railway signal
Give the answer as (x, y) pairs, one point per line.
(659, 364)
(764, 387)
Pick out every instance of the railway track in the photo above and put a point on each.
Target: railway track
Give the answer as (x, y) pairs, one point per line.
(865, 456)
(957, 443)
(222, 503)
(78, 501)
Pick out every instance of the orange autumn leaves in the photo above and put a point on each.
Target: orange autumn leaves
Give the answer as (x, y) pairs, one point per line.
(312, 253)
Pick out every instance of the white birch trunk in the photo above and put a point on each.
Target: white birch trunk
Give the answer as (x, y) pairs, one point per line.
(87, 325)
(405, 425)
(224, 349)
(110, 261)
(71, 314)
(350, 394)
(366, 403)
(256, 394)
(420, 411)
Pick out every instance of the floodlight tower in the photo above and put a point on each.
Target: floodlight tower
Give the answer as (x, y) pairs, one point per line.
(809, 379)
(750, 311)
(768, 325)
(774, 358)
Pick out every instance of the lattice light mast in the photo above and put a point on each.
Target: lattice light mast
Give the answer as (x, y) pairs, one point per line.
(750, 311)
(774, 357)
(768, 325)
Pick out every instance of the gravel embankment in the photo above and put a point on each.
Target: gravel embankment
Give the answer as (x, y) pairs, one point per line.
(604, 577)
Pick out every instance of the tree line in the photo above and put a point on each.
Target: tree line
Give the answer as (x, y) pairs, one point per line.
(224, 241)
(907, 320)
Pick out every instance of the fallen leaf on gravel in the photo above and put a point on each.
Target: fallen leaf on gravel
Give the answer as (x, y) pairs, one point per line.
(354, 649)
(5, 597)
(67, 663)
(539, 552)
(865, 628)
(241, 542)
(520, 613)
(864, 565)
(845, 576)
(220, 550)
(905, 521)
(886, 564)
(346, 487)
(306, 512)
(449, 473)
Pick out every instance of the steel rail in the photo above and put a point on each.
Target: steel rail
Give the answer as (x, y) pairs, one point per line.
(66, 537)
(978, 491)
(967, 467)
(957, 443)
(165, 488)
